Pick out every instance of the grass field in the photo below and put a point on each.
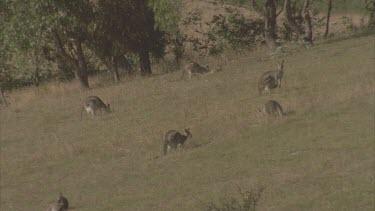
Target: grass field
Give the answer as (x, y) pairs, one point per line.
(320, 157)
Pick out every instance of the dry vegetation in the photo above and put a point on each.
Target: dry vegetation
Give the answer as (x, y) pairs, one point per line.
(321, 157)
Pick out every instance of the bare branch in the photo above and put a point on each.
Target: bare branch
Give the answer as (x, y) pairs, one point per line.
(282, 9)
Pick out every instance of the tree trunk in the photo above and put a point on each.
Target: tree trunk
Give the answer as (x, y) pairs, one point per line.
(270, 23)
(371, 21)
(308, 25)
(127, 65)
(289, 18)
(144, 62)
(79, 64)
(328, 18)
(3, 97)
(82, 73)
(116, 74)
(36, 78)
(268, 12)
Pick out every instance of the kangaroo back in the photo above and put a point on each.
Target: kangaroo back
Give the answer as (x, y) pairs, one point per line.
(197, 68)
(93, 103)
(174, 138)
(271, 79)
(63, 200)
(266, 82)
(194, 68)
(272, 107)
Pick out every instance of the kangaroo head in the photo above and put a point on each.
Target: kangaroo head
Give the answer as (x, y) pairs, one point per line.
(187, 132)
(60, 197)
(280, 65)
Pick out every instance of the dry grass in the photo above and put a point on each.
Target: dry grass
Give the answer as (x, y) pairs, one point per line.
(320, 157)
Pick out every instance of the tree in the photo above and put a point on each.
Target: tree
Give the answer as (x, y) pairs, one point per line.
(308, 25)
(38, 28)
(71, 32)
(290, 20)
(268, 12)
(2, 97)
(328, 18)
(125, 27)
(167, 18)
(370, 6)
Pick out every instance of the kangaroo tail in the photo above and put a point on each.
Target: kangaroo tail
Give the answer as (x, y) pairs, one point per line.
(83, 108)
(281, 112)
(183, 74)
(165, 148)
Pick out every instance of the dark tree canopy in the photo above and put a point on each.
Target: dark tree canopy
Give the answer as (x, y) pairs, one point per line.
(71, 32)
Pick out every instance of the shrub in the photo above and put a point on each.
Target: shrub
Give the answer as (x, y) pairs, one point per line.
(248, 201)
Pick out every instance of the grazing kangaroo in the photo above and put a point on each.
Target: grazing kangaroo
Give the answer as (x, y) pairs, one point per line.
(174, 138)
(271, 79)
(194, 68)
(272, 107)
(62, 204)
(94, 103)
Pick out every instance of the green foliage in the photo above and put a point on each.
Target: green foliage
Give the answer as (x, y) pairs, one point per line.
(21, 63)
(168, 18)
(230, 30)
(167, 14)
(43, 36)
(236, 30)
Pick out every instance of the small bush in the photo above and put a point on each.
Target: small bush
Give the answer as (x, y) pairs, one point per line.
(248, 201)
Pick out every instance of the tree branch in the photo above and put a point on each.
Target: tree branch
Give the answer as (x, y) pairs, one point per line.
(62, 50)
(288, 15)
(282, 9)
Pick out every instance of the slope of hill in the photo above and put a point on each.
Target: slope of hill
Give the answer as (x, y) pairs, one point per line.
(320, 157)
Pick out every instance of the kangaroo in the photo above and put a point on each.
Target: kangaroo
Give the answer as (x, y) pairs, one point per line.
(272, 107)
(174, 138)
(94, 103)
(63, 200)
(62, 204)
(271, 79)
(194, 68)
(56, 207)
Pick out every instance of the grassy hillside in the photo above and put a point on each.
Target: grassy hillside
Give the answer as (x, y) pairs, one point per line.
(320, 157)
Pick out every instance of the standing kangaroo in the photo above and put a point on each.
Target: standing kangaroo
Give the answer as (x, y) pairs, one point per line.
(174, 138)
(271, 79)
(194, 68)
(272, 107)
(62, 204)
(94, 103)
